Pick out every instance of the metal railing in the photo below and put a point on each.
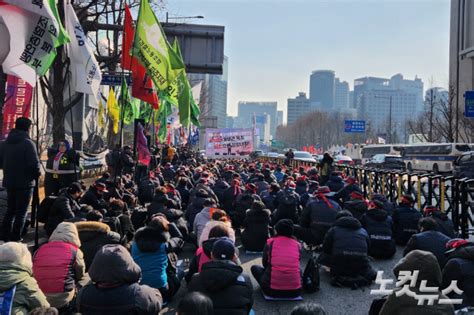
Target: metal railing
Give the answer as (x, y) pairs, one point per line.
(451, 195)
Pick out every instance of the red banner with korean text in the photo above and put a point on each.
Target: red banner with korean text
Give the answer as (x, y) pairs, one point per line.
(17, 103)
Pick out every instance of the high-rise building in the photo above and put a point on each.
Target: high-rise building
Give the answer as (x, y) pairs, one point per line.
(279, 120)
(322, 88)
(461, 50)
(214, 96)
(300, 106)
(387, 104)
(248, 110)
(341, 97)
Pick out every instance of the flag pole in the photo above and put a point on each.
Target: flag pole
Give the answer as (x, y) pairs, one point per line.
(36, 201)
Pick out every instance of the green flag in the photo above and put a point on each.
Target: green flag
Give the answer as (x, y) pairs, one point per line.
(195, 92)
(126, 106)
(184, 92)
(151, 47)
(145, 111)
(136, 108)
(163, 112)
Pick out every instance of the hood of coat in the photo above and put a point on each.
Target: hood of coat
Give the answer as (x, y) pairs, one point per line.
(222, 185)
(149, 239)
(113, 264)
(358, 205)
(15, 264)
(90, 229)
(348, 223)
(335, 179)
(377, 214)
(425, 262)
(440, 215)
(66, 232)
(219, 274)
(16, 136)
(464, 252)
(206, 212)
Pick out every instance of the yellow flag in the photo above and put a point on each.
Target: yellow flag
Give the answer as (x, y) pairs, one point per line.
(101, 119)
(113, 109)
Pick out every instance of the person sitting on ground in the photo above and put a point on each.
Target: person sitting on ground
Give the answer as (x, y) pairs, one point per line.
(65, 207)
(387, 205)
(335, 182)
(203, 253)
(379, 225)
(405, 220)
(429, 239)
(345, 252)
(16, 279)
(344, 194)
(229, 288)
(94, 196)
(163, 204)
(357, 204)
(429, 275)
(260, 183)
(243, 202)
(195, 303)
(280, 275)
(146, 189)
(460, 267)
(150, 250)
(256, 227)
(445, 224)
(115, 287)
(268, 197)
(219, 217)
(118, 209)
(301, 185)
(308, 309)
(308, 196)
(287, 203)
(59, 266)
(279, 174)
(231, 194)
(317, 218)
(93, 235)
(202, 218)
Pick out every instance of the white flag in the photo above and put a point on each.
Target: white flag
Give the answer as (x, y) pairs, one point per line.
(381, 140)
(34, 34)
(196, 90)
(85, 68)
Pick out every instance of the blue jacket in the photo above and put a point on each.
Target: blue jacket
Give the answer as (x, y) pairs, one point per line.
(149, 251)
(405, 223)
(430, 241)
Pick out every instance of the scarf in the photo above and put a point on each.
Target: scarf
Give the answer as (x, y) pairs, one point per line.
(57, 160)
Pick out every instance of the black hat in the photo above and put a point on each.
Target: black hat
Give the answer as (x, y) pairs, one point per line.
(284, 227)
(223, 249)
(22, 123)
(75, 188)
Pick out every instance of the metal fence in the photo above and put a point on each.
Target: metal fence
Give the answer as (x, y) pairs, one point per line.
(452, 195)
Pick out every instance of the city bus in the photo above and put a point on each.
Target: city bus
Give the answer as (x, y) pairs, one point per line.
(370, 150)
(432, 157)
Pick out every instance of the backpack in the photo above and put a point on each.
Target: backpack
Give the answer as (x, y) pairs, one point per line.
(6, 301)
(44, 208)
(311, 277)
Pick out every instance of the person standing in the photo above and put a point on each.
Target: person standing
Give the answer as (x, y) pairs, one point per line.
(21, 169)
(62, 168)
(326, 166)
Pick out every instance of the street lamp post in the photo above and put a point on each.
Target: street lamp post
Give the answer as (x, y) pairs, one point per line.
(182, 17)
(389, 116)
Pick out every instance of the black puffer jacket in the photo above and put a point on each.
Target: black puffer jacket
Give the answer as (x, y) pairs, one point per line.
(219, 188)
(445, 225)
(405, 223)
(256, 229)
(357, 207)
(115, 286)
(93, 236)
(194, 208)
(430, 241)
(319, 217)
(228, 287)
(19, 161)
(63, 208)
(460, 267)
(287, 204)
(378, 225)
(93, 199)
(160, 205)
(346, 246)
(243, 203)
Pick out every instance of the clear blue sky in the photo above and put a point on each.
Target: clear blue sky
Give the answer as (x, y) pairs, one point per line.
(273, 45)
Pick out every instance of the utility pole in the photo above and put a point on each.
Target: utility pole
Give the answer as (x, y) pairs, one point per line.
(430, 135)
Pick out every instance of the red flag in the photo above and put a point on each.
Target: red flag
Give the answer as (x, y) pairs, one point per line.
(142, 86)
(144, 156)
(18, 102)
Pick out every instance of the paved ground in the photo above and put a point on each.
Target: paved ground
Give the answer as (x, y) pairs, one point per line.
(334, 300)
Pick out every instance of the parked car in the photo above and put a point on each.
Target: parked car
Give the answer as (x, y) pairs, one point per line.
(318, 157)
(386, 161)
(273, 155)
(256, 154)
(464, 165)
(343, 159)
(304, 156)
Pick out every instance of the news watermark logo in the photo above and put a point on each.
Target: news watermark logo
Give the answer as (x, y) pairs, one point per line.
(408, 280)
